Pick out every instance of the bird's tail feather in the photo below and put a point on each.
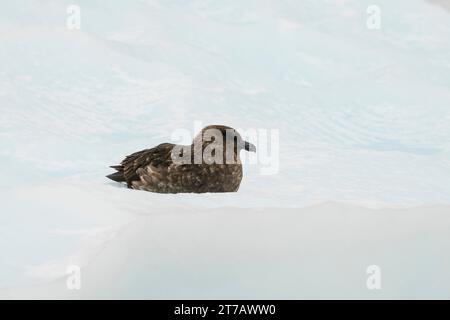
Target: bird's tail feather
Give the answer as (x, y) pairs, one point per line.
(117, 176)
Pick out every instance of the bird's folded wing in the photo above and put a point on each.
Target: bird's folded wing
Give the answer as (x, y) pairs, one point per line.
(157, 156)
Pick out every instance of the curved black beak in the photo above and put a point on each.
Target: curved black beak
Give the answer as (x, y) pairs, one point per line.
(249, 146)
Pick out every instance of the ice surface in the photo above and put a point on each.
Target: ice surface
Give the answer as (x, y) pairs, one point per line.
(235, 253)
(363, 117)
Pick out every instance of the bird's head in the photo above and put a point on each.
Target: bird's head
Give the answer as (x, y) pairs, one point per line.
(214, 136)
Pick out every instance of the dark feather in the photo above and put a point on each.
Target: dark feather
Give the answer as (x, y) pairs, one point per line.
(116, 176)
(127, 170)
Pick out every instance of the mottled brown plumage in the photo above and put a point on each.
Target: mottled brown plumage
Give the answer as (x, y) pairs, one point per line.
(204, 166)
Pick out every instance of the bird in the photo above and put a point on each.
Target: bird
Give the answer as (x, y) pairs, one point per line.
(211, 163)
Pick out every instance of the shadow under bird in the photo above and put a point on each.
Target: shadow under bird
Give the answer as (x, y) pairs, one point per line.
(210, 164)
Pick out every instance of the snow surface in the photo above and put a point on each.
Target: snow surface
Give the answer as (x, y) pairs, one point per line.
(363, 116)
(235, 253)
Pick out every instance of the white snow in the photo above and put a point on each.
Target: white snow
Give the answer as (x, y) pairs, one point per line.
(364, 122)
(235, 253)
